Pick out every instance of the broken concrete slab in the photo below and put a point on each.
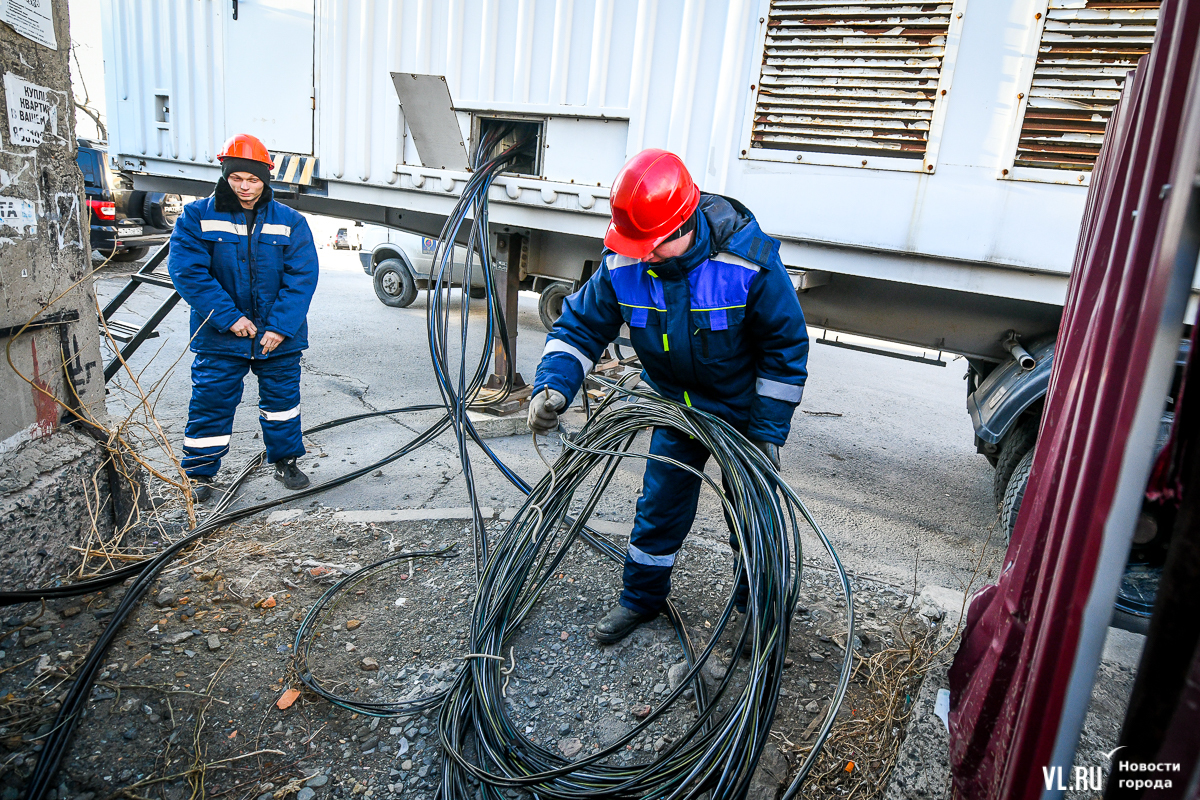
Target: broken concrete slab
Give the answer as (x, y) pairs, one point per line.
(286, 515)
(490, 427)
(412, 514)
(923, 764)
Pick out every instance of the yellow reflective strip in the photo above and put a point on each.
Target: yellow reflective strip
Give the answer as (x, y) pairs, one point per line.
(666, 346)
(631, 305)
(719, 308)
(687, 399)
(293, 163)
(306, 175)
(652, 273)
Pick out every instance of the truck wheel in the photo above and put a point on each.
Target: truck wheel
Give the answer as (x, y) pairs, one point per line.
(1014, 493)
(551, 302)
(1013, 447)
(478, 292)
(394, 283)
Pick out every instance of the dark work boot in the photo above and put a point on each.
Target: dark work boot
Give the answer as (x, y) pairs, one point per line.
(287, 473)
(201, 489)
(619, 622)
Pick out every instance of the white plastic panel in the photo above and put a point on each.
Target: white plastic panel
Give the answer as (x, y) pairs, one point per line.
(268, 56)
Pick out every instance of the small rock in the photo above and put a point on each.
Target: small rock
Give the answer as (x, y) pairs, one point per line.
(351, 624)
(564, 729)
(267, 602)
(214, 642)
(406, 765)
(129, 733)
(72, 611)
(305, 794)
(771, 776)
(176, 638)
(640, 710)
(165, 597)
(369, 743)
(570, 747)
(37, 638)
(676, 674)
(369, 664)
(563, 636)
(317, 781)
(816, 656)
(43, 665)
(812, 707)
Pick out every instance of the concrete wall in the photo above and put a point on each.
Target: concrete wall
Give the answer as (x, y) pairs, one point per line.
(43, 250)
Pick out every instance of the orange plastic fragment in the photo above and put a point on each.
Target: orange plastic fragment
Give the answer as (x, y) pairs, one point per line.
(286, 699)
(849, 766)
(268, 602)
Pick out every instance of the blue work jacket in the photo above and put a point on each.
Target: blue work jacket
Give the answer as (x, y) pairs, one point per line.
(721, 331)
(224, 275)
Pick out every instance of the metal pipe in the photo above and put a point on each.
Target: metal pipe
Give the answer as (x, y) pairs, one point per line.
(1019, 354)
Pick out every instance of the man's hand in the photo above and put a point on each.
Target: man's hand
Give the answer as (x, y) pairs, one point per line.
(243, 327)
(771, 451)
(543, 410)
(271, 340)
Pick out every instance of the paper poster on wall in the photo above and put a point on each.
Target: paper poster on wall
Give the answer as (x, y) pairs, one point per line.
(32, 19)
(19, 214)
(31, 109)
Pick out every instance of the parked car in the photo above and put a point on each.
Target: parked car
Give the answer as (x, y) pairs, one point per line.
(346, 239)
(125, 223)
(401, 266)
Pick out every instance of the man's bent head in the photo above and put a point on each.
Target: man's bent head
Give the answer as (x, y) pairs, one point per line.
(247, 187)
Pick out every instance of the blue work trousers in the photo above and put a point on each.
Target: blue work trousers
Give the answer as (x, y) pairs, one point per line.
(665, 512)
(217, 382)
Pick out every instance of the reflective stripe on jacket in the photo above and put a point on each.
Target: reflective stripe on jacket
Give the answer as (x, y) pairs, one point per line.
(727, 337)
(223, 278)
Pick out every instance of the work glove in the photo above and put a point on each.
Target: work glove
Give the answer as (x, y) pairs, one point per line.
(543, 410)
(771, 451)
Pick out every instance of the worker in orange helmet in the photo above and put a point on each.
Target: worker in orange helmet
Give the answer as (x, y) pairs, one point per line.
(714, 319)
(247, 266)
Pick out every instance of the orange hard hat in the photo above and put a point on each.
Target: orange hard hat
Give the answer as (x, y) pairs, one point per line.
(652, 196)
(243, 145)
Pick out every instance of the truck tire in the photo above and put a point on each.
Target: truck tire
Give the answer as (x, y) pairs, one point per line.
(161, 210)
(550, 303)
(132, 254)
(1013, 447)
(477, 292)
(394, 283)
(1014, 493)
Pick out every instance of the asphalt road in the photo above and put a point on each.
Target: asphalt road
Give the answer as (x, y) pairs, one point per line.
(893, 479)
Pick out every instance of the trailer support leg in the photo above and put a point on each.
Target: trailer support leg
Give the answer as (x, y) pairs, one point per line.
(507, 274)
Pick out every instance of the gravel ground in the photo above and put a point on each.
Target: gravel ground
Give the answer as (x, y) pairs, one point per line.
(197, 673)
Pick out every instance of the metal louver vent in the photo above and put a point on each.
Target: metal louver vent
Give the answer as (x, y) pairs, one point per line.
(1086, 49)
(857, 77)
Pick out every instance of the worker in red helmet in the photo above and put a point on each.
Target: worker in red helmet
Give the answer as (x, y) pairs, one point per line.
(714, 319)
(247, 266)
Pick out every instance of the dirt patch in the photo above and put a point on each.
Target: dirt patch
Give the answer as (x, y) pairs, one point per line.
(188, 700)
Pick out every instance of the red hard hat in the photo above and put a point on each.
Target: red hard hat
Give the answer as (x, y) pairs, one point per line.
(243, 145)
(652, 196)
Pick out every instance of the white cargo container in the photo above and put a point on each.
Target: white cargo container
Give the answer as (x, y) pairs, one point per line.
(923, 163)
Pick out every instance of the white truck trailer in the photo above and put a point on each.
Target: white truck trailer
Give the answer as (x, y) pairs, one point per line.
(924, 164)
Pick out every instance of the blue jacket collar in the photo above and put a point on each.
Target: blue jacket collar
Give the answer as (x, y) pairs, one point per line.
(734, 230)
